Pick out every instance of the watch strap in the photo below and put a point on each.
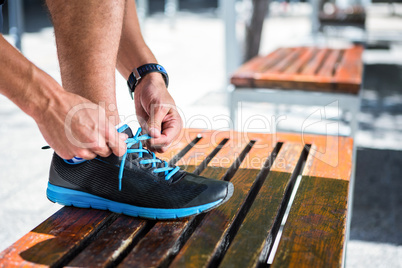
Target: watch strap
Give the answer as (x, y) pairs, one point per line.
(143, 70)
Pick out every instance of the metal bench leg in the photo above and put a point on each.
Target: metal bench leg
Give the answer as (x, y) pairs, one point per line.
(233, 109)
(171, 7)
(16, 16)
(142, 10)
(354, 127)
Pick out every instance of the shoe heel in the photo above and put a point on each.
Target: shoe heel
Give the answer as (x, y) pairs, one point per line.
(64, 196)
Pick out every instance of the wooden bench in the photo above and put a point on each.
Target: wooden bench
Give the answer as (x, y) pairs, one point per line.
(353, 16)
(264, 169)
(310, 76)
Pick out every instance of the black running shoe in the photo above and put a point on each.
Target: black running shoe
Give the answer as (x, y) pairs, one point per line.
(137, 184)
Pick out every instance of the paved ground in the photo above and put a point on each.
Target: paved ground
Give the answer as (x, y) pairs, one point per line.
(197, 40)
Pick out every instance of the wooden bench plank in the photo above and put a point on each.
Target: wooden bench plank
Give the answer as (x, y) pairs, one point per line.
(303, 59)
(189, 138)
(164, 240)
(329, 156)
(306, 79)
(349, 73)
(312, 66)
(55, 239)
(314, 232)
(111, 243)
(282, 64)
(209, 241)
(204, 147)
(257, 228)
(245, 75)
(329, 67)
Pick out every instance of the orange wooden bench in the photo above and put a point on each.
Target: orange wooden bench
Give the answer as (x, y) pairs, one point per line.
(264, 168)
(310, 76)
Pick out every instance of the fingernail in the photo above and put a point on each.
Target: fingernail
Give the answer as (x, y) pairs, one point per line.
(154, 132)
(123, 136)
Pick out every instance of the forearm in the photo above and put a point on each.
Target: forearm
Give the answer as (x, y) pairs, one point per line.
(31, 89)
(133, 51)
(41, 97)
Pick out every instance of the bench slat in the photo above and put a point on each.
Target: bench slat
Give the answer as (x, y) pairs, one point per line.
(110, 243)
(307, 79)
(283, 63)
(313, 235)
(200, 151)
(329, 67)
(246, 75)
(56, 238)
(303, 59)
(329, 157)
(349, 74)
(164, 240)
(211, 237)
(260, 220)
(315, 62)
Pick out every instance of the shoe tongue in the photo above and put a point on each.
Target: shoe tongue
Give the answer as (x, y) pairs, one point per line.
(126, 129)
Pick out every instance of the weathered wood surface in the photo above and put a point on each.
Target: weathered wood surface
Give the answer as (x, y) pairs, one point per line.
(256, 233)
(263, 168)
(314, 232)
(304, 68)
(211, 238)
(53, 241)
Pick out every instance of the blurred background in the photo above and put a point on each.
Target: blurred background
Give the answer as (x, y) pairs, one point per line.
(200, 42)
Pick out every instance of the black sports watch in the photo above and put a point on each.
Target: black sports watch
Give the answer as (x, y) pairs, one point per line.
(143, 70)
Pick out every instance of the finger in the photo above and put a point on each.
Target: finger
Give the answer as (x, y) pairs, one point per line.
(154, 123)
(116, 140)
(64, 155)
(100, 147)
(170, 130)
(85, 154)
(103, 151)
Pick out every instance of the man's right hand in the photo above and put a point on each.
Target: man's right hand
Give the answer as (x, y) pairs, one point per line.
(71, 124)
(74, 126)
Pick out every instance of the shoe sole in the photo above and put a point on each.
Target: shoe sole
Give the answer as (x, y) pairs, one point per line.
(69, 197)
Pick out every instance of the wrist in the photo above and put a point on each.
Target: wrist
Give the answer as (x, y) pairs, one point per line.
(152, 73)
(42, 92)
(155, 79)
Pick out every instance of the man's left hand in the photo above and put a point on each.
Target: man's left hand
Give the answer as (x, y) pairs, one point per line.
(156, 112)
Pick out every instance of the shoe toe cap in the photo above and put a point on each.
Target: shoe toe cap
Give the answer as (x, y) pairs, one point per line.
(216, 190)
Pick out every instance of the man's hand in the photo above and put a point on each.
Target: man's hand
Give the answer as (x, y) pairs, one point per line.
(74, 126)
(156, 112)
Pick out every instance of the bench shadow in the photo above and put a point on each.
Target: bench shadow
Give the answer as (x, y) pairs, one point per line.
(40, 253)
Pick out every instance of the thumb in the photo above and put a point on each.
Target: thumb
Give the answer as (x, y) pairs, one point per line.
(154, 123)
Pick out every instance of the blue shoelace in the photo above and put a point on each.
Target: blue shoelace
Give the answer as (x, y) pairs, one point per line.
(169, 171)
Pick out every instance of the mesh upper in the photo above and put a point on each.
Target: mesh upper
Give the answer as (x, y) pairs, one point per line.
(139, 186)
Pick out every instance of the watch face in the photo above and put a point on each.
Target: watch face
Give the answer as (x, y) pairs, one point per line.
(160, 68)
